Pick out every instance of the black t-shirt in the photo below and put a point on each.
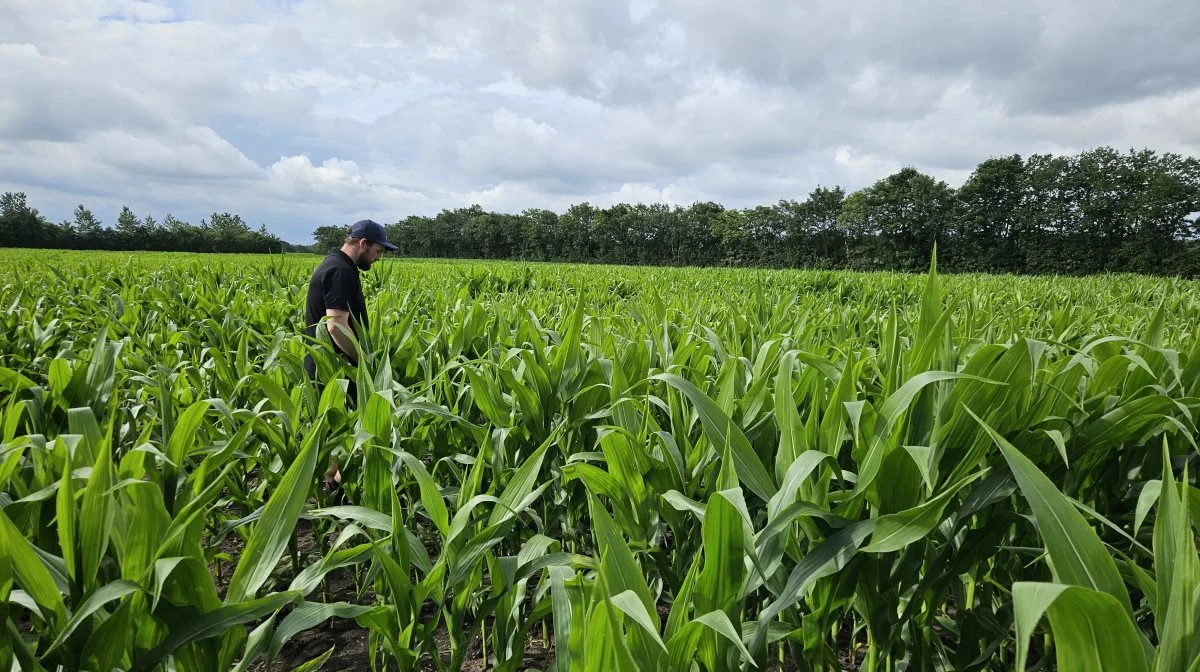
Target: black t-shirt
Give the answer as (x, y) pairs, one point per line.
(335, 284)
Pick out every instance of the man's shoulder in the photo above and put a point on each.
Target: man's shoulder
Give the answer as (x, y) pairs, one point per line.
(332, 262)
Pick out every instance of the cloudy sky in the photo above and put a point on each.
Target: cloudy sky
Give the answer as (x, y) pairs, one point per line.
(299, 113)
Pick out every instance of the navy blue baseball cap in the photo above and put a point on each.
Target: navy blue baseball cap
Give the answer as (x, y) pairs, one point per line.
(372, 231)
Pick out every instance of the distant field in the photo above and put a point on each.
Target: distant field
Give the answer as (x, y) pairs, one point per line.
(577, 467)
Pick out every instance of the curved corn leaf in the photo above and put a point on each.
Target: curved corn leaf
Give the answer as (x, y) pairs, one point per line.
(1079, 557)
(278, 519)
(214, 624)
(1092, 631)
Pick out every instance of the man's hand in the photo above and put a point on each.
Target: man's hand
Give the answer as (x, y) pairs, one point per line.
(338, 325)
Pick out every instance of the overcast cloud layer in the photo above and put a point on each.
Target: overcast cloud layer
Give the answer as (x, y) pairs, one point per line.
(299, 113)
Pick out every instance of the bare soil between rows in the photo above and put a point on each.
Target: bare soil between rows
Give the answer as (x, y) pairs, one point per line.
(351, 642)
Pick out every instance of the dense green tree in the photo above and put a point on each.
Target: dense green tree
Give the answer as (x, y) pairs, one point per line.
(89, 229)
(985, 232)
(20, 224)
(575, 233)
(694, 237)
(329, 237)
(129, 230)
(812, 237)
(539, 228)
(908, 212)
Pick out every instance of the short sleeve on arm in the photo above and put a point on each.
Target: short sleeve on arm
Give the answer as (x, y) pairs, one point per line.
(337, 286)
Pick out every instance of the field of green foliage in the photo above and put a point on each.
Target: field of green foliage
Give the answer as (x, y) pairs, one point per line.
(595, 468)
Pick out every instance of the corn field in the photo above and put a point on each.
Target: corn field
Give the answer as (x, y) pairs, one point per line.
(615, 468)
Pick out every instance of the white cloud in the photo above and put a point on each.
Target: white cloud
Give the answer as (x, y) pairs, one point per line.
(313, 112)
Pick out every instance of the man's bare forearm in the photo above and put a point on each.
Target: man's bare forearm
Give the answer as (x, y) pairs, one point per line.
(342, 338)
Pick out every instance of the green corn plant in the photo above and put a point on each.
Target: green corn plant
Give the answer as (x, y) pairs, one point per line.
(1088, 605)
(645, 468)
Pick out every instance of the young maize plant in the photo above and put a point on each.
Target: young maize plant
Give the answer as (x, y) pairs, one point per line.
(579, 468)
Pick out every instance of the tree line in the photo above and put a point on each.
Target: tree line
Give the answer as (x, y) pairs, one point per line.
(1100, 211)
(1096, 212)
(21, 225)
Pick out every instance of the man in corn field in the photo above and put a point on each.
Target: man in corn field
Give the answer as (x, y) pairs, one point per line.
(335, 295)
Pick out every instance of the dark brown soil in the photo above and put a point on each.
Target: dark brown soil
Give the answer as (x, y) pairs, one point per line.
(222, 569)
(348, 640)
